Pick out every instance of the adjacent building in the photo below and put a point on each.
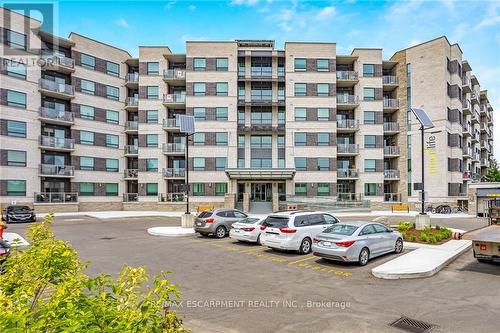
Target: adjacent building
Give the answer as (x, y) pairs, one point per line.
(86, 126)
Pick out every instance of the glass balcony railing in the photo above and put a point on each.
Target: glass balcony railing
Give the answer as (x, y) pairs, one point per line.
(347, 75)
(131, 125)
(174, 147)
(132, 78)
(57, 170)
(347, 124)
(130, 197)
(170, 123)
(53, 142)
(174, 98)
(58, 115)
(57, 87)
(131, 173)
(55, 197)
(391, 150)
(347, 99)
(391, 174)
(174, 74)
(131, 150)
(347, 173)
(390, 80)
(347, 148)
(171, 197)
(174, 172)
(59, 60)
(391, 103)
(391, 127)
(132, 101)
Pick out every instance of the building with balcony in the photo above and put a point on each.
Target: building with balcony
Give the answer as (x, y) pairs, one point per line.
(97, 129)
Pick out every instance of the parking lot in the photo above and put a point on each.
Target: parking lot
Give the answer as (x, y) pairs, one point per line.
(236, 287)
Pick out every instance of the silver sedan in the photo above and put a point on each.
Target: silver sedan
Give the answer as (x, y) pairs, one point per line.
(247, 230)
(356, 241)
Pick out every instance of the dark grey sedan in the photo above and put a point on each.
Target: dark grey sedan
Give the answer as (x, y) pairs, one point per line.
(217, 222)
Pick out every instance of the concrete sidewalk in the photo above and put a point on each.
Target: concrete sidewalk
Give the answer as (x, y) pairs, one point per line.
(422, 262)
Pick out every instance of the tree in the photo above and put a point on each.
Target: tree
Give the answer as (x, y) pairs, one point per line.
(493, 172)
(44, 289)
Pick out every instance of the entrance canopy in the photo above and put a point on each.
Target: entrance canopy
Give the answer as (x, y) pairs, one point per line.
(260, 174)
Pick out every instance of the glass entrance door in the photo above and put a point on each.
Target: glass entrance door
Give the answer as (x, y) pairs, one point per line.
(261, 192)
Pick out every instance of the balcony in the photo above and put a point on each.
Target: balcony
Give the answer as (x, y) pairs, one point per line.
(131, 103)
(391, 151)
(56, 197)
(172, 197)
(467, 152)
(173, 173)
(56, 90)
(130, 197)
(485, 129)
(392, 197)
(347, 173)
(469, 175)
(474, 97)
(54, 116)
(391, 128)
(58, 171)
(485, 163)
(58, 144)
(466, 84)
(261, 126)
(483, 110)
(347, 78)
(466, 130)
(475, 136)
(131, 126)
(391, 174)
(389, 82)
(130, 174)
(466, 107)
(171, 125)
(485, 145)
(347, 102)
(347, 149)
(475, 118)
(177, 76)
(391, 104)
(174, 148)
(347, 125)
(475, 157)
(132, 80)
(174, 100)
(58, 63)
(131, 150)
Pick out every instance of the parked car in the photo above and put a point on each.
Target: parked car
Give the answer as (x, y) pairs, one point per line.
(247, 230)
(294, 230)
(18, 213)
(217, 222)
(357, 241)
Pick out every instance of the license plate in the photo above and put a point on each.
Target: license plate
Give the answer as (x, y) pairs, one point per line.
(237, 230)
(326, 243)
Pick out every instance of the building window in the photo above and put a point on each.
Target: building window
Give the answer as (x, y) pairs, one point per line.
(323, 114)
(300, 114)
(16, 99)
(323, 65)
(87, 61)
(112, 117)
(199, 89)
(322, 89)
(16, 158)
(241, 163)
(221, 88)
(112, 93)
(151, 189)
(370, 141)
(300, 64)
(153, 68)
(111, 189)
(323, 189)
(112, 68)
(241, 93)
(281, 141)
(301, 189)
(369, 117)
(16, 40)
(261, 163)
(281, 163)
(221, 139)
(323, 164)
(86, 189)
(220, 163)
(220, 189)
(370, 166)
(199, 113)
(111, 165)
(370, 189)
(16, 188)
(221, 64)
(221, 113)
(261, 141)
(111, 141)
(300, 163)
(241, 141)
(152, 164)
(87, 87)
(16, 69)
(199, 64)
(300, 139)
(152, 116)
(86, 163)
(368, 70)
(323, 139)
(369, 94)
(152, 92)
(87, 112)
(16, 128)
(198, 139)
(152, 140)
(300, 89)
(198, 189)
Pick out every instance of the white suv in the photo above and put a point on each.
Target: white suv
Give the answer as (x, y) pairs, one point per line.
(294, 230)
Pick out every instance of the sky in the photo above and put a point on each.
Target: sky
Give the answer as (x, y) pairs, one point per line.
(391, 25)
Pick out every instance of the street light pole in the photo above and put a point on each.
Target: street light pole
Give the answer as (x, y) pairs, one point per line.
(423, 166)
(186, 185)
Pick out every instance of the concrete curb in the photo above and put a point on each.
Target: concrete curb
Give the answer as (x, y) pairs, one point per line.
(171, 231)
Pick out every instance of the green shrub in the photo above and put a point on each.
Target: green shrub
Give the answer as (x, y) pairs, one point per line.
(424, 237)
(413, 238)
(404, 226)
(432, 239)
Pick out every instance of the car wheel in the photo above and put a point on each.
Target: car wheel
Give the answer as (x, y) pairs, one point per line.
(398, 248)
(305, 246)
(220, 232)
(259, 241)
(364, 255)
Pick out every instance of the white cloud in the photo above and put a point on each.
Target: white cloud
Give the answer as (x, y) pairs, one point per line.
(488, 21)
(170, 4)
(326, 13)
(299, 16)
(243, 2)
(121, 22)
(192, 8)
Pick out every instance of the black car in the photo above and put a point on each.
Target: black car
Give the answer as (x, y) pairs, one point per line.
(18, 213)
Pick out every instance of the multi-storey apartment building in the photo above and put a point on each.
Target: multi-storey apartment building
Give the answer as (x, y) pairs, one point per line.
(94, 128)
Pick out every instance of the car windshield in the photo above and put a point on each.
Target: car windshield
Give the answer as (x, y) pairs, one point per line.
(341, 229)
(275, 221)
(249, 220)
(20, 210)
(205, 214)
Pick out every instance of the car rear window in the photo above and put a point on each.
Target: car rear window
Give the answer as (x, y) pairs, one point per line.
(205, 214)
(341, 229)
(20, 209)
(249, 220)
(275, 222)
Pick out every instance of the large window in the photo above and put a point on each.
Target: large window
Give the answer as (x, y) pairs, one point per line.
(370, 141)
(261, 141)
(241, 141)
(369, 117)
(16, 128)
(151, 189)
(152, 164)
(198, 139)
(199, 113)
(152, 116)
(220, 163)
(112, 117)
(323, 114)
(261, 163)
(86, 163)
(111, 141)
(322, 65)
(87, 112)
(368, 70)
(221, 88)
(300, 114)
(300, 189)
(323, 189)
(198, 163)
(16, 40)
(221, 113)
(16, 158)
(16, 69)
(16, 188)
(300, 64)
(153, 68)
(112, 68)
(86, 138)
(323, 139)
(86, 189)
(300, 163)
(87, 61)
(370, 165)
(199, 64)
(220, 189)
(300, 139)
(323, 164)
(370, 189)
(111, 189)
(198, 189)
(16, 99)
(300, 89)
(322, 89)
(221, 138)
(369, 94)
(152, 92)
(111, 165)
(87, 87)
(199, 89)
(152, 140)
(221, 64)
(112, 93)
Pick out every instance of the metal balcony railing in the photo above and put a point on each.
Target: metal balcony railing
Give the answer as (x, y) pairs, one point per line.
(171, 197)
(391, 174)
(390, 79)
(58, 115)
(391, 127)
(347, 123)
(174, 147)
(131, 150)
(174, 74)
(53, 142)
(391, 150)
(391, 103)
(57, 170)
(175, 98)
(347, 99)
(62, 88)
(131, 173)
(132, 78)
(392, 197)
(347, 148)
(347, 173)
(174, 172)
(130, 197)
(55, 197)
(347, 75)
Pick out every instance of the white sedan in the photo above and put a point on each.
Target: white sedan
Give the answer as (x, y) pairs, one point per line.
(247, 230)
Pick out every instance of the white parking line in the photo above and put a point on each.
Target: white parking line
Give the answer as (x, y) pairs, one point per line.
(73, 220)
